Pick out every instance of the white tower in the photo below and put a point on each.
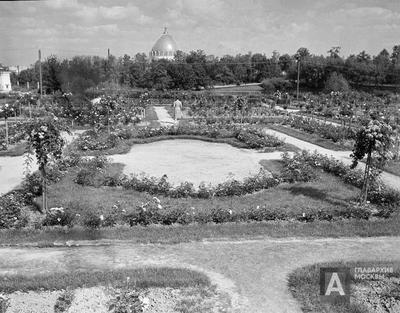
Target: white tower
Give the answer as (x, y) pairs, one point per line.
(5, 82)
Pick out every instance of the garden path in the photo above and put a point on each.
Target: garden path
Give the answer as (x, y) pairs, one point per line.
(12, 169)
(253, 272)
(344, 156)
(164, 118)
(194, 161)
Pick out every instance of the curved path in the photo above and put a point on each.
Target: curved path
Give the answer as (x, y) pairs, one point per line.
(253, 272)
(344, 156)
(12, 169)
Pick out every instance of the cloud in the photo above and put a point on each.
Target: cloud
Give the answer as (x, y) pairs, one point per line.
(116, 13)
(62, 4)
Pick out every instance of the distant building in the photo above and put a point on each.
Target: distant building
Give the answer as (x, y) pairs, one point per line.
(5, 82)
(164, 48)
(17, 68)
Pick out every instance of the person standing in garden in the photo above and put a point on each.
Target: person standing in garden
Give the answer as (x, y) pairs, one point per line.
(177, 109)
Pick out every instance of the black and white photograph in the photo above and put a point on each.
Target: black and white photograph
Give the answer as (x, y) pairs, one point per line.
(200, 156)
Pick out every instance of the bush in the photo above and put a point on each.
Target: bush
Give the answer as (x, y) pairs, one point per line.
(184, 190)
(336, 82)
(4, 303)
(59, 217)
(125, 301)
(91, 172)
(63, 302)
(92, 220)
(296, 169)
(152, 185)
(10, 211)
(33, 184)
(270, 85)
(86, 177)
(219, 215)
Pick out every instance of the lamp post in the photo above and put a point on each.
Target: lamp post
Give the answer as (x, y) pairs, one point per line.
(298, 79)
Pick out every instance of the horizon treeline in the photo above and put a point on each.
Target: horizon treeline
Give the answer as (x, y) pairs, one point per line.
(195, 70)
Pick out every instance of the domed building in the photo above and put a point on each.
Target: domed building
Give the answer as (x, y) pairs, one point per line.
(164, 48)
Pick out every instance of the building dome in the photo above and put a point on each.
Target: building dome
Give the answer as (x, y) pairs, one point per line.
(164, 48)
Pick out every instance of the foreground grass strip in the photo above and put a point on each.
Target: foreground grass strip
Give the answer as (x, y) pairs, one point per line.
(304, 286)
(138, 278)
(197, 232)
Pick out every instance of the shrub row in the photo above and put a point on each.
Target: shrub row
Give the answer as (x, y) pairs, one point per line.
(379, 193)
(328, 131)
(154, 213)
(142, 183)
(251, 137)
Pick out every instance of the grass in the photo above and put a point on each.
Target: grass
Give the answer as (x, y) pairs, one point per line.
(151, 116)
(238, 89)
(138, 278)
(326, 191)
(14, 150)
(393, 167)
(304, 286)
(312, 138)
(48, 237)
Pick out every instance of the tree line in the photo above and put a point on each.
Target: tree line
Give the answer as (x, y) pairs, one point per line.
(196, 70)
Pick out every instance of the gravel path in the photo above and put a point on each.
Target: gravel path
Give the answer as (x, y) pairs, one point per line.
(193, 161)
(253, 272)
(164, 118)
(344, 156)
(12, 169)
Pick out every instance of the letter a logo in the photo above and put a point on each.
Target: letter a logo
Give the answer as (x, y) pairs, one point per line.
(334, 285)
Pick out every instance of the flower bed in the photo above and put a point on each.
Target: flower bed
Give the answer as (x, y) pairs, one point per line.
(155, 212)
(379, 193)
(328, 131)
(252, 137)
(15, 133)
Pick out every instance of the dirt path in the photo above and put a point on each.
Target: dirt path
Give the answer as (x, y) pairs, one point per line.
(253, 272)
(344, 156)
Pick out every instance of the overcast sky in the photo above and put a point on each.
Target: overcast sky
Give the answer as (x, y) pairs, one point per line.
(80, 27)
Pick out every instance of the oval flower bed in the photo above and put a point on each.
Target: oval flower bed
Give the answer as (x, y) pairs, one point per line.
(249, 137)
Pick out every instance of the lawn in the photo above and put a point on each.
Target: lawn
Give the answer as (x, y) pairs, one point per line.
(304, 286)
(393, 166)
(326, 192)
(53, 236)
(151, 116)
(14, 150)
(238, 89)
(141, 278)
